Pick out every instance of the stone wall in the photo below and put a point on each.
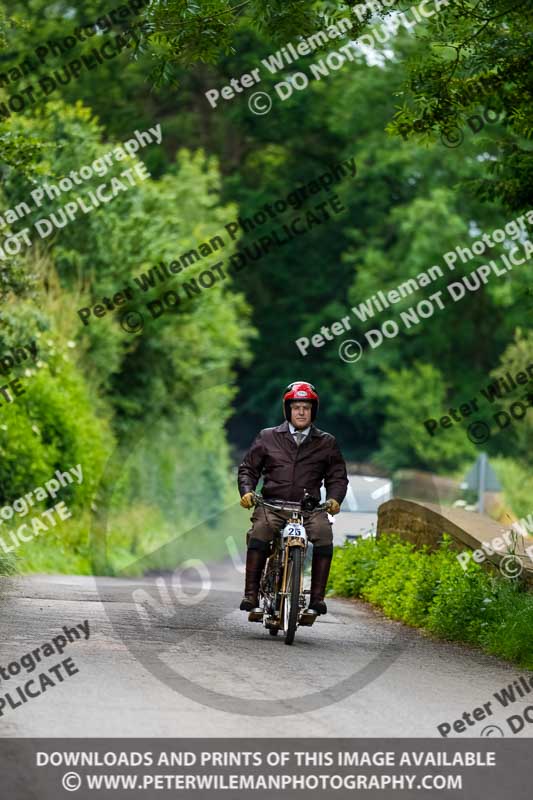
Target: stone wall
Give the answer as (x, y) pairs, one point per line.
(424, 524)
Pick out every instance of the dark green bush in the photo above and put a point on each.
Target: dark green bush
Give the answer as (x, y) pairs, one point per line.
(52, 426)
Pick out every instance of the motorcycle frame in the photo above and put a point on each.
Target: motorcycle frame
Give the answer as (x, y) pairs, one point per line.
(282, 545)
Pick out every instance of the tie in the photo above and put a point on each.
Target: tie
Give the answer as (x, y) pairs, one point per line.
(299, 438)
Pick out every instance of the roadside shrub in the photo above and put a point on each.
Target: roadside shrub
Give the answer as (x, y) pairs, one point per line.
(509, 626)
(431, 590)
(352, 567)
(420, 588)
(459, 607)
(389, 582)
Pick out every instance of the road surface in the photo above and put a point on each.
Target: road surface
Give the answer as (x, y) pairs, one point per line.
(175, 658)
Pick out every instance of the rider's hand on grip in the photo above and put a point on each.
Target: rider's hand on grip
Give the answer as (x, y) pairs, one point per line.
(247, 500)
(332, 506)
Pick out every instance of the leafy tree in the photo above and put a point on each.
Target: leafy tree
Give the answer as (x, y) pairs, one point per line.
(154, 386)
(474, 53)
(518, 356)
(168, 393)
(411, 397)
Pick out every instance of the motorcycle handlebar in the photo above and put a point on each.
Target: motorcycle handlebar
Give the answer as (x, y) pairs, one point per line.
(260, 501)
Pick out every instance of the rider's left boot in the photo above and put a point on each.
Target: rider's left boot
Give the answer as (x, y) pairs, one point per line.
(256, 557)
(322, 555)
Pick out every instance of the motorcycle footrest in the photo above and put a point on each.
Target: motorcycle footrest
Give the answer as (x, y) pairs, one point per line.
(256, 615)
(307, 617)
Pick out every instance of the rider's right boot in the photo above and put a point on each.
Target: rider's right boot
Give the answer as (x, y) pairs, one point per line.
(256, 557)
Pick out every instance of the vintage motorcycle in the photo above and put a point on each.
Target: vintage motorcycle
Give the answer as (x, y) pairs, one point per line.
(281, 593)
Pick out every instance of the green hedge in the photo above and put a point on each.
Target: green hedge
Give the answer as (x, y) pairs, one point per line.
(431, 590)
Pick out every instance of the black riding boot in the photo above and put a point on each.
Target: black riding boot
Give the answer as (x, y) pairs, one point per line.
(322, 556)
(256, 557)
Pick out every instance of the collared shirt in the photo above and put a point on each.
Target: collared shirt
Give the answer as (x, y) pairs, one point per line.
(294, 431)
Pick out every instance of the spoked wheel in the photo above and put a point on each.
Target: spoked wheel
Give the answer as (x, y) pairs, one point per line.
(292, 597)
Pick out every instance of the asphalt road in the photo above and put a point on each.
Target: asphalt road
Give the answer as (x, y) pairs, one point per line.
(174, 657)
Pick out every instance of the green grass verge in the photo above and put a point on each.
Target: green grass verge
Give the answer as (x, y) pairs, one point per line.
(130, 543)
(431, 590)
(7, 565)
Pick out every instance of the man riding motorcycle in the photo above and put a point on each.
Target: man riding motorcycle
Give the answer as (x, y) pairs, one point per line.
(293, 458)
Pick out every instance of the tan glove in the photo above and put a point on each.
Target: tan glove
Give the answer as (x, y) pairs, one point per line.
(247, 500)
(332, 506)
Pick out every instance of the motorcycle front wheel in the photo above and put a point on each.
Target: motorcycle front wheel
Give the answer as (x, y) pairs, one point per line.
(291, 604)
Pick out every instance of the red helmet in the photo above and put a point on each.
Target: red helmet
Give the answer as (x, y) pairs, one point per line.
(300, 390)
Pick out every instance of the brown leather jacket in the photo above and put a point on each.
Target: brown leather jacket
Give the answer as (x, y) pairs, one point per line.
(289, 470)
